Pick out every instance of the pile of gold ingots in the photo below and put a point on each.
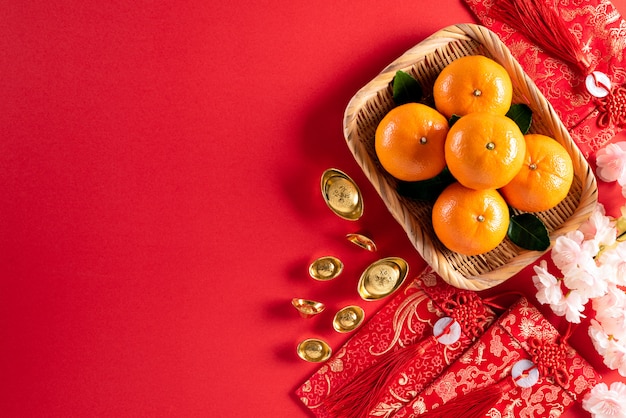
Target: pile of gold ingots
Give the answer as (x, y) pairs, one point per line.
(379, 280)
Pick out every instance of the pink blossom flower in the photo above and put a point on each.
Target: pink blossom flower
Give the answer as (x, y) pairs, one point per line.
(548, 287)
(615, 356)
(612, 301)
(611, 162)
(599, 338)
(574, 256)
(571, 251)
(616, 325)
(599, 228)
(605, 402)
(571, 306)
(613, 264)
(611, 312)
(587, 281)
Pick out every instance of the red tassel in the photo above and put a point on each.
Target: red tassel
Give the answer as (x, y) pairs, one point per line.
(541, 23)
(474, 404)
(356, 398)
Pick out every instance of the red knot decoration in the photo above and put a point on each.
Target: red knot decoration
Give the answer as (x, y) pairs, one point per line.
(468, 310)
(550, 359)
(612, 108)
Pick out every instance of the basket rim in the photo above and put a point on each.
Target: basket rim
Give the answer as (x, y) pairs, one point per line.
(422, 242)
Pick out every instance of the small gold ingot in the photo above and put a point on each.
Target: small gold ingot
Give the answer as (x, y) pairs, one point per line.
(382, 278)
(314, 350)
(348, 319)
(341, 194)
(362, 241)
(325, 268)
(307, 308)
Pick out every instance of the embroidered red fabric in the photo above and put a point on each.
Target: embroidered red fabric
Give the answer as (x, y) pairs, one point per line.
(521, 333)
(407, 319)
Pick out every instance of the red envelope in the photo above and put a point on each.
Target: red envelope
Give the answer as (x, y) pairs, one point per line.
(406, 320)
(522, 333)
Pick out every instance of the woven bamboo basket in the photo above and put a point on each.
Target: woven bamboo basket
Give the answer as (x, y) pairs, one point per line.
(424, 62)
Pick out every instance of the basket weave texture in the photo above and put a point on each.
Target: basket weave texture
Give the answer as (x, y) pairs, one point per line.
(424, 62)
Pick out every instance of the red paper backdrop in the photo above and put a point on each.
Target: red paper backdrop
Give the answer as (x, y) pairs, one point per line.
(160, 202)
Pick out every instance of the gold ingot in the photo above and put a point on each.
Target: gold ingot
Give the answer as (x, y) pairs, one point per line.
(362, 241)
(314, 350)
(348, 319)
(307, 308)
(325, 268)
(341, 194)
(382, 278)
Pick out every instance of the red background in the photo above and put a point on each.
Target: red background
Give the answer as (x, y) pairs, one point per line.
(160, 202)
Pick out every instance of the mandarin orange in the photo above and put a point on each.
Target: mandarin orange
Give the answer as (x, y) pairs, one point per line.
(473, 83)
(469, 221)
(409, 142)
(484, 150)
(545, 177)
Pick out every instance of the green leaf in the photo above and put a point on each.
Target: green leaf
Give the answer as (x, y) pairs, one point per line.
(406, 89)
(529, 232)
(521, 115)
(453, 120)
(426, 190)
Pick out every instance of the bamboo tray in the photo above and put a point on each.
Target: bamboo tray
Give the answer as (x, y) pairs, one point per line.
(424, 62)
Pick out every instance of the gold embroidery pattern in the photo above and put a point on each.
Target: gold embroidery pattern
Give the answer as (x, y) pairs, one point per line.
(510, 339)
(405, 320)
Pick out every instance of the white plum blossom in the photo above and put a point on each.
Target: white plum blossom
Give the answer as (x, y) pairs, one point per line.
(571, 251)
(574, 256)
(599, 338)
(613, 264)
(611, 312)
(613, 351)
(615, 356)
(571, 306)
(549, 290)
(592, 270)
(611, 302)
(605, 402)
(611, 163)
(599, 228)
(592, 266)
(616, 325)
(586, 281)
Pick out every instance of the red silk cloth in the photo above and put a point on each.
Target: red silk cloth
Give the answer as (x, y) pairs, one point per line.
(407, 319)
